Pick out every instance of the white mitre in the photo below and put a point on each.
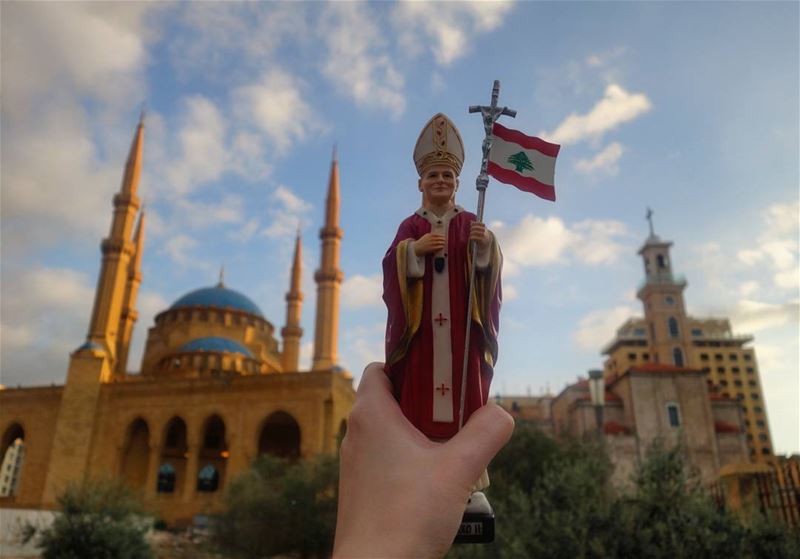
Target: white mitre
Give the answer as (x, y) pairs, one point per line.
(439, 143)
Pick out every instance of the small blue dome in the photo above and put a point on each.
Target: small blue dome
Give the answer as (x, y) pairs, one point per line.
(91, 345)
(214, 343)
(218, 296)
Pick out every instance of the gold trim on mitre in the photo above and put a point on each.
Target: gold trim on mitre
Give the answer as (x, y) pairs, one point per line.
(439, 143)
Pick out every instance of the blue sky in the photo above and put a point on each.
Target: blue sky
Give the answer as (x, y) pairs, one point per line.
(689, 108)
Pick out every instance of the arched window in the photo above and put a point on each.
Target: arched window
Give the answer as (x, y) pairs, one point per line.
(174, 453)
(214, 435)
(280, 436)
(662, 262)
(677, 356)
(672, 324)
(166, 478)
(12, 453)
(208, 479)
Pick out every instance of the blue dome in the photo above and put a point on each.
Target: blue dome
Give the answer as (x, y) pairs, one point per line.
(214, 343)
(218, 296)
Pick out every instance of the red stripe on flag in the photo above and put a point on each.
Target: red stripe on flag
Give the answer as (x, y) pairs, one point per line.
(526, 184)
(527, 142)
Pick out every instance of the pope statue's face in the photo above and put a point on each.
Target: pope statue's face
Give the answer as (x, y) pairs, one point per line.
(438, 185)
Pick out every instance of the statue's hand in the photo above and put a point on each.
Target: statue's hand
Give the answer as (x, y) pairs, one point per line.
(480, 234)
(428, 243)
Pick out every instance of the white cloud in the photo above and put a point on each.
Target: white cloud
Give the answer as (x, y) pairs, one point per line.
(362, 345)
(287, 212)
(447, 28)
(778, 363)
(178, 248)
(536, 241)
(596, 241)
(749, 257)
(615, 108)
(306, 355)
(230, 209)
(246, 231)
(604, 162)
(754, 316)
(92, 48)
(45, 314)
(71, 193)
(787, 279)
(203, 156)
(210, 34)
(510, 292)
(599, 327)
(600, 59)
(748, 288)
(362, 291)
(276, 106)
(778, 245)
(357, 62)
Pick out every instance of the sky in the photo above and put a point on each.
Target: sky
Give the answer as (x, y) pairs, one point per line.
(688, 108)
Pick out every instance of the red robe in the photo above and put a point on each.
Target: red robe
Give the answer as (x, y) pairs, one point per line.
(409, 332)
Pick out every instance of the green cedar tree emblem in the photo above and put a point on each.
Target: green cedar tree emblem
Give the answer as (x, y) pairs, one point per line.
(521, 162)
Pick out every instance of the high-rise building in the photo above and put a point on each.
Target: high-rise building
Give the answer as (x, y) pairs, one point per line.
(668, 335)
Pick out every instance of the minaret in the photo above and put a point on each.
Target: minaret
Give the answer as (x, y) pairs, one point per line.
(328, 278)
(294, 301)
(94, 363)
(662, 297)
(129, 313)
(117, 251)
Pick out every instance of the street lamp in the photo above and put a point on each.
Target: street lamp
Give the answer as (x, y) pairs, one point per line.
(597, 390)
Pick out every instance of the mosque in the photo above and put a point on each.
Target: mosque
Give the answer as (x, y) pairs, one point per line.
(216, 387)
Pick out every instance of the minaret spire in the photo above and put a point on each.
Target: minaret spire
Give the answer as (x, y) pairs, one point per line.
(129, 313)
(221, 276)
(292, 332)
(329, 278)
(117, 249)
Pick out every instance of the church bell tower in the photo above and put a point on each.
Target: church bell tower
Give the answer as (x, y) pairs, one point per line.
(664, 307)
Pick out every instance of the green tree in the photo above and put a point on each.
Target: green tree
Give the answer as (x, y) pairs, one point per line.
(280, 508)
(99, 519)
(554, 500)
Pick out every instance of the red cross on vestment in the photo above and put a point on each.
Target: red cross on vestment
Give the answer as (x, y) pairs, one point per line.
(443, 389)
(440, 319)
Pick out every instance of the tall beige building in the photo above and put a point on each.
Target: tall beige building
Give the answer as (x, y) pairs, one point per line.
(668, 335)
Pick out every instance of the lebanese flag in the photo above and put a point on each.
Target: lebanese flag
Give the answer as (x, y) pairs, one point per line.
(526, 162)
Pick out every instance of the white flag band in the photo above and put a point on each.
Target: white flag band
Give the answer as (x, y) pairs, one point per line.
(527, 162)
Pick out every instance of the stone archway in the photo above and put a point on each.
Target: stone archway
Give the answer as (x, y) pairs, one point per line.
(12, 454)
(136, 453)
(280, 436)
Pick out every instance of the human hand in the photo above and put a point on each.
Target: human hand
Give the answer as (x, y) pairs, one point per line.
(428, 243)
(480, 234)
(400, 494)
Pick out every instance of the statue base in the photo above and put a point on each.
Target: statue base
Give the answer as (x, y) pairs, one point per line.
(477, 525)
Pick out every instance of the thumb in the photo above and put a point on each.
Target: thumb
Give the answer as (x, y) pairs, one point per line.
(487, 431)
